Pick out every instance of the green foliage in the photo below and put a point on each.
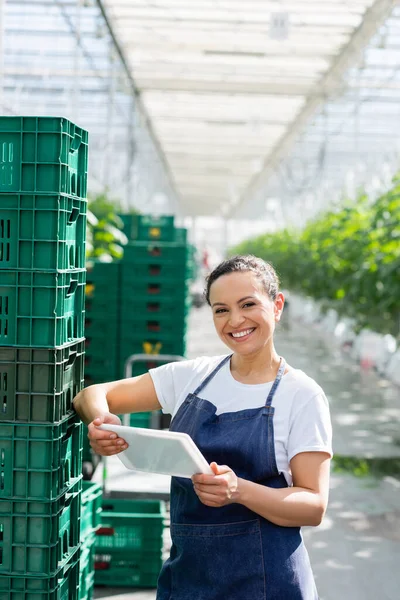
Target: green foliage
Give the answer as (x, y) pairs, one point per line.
(366, 467)
(348, 258)
(105, 236)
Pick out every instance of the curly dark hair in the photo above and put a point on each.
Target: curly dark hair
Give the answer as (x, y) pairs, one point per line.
(263, 270)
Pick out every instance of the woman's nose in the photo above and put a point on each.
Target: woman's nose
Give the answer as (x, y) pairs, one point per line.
(236, 319)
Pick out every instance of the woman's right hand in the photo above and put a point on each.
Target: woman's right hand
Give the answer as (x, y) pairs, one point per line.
(105, 443)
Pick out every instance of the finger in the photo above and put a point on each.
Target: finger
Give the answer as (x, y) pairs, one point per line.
(206, 479)
(108, 443)
(220, 469)
(201, 487)
(99, 434)
(210, 499)
(108, 451)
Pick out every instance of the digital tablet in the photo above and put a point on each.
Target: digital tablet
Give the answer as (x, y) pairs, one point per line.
(162, 452)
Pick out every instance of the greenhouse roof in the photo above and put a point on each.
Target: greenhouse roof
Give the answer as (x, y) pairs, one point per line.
(228, 85)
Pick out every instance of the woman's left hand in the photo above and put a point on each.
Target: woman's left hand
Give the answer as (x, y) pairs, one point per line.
(219, 489)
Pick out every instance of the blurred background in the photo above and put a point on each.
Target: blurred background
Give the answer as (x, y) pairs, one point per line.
(217, 127)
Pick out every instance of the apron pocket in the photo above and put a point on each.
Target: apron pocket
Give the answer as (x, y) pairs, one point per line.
(212, 562)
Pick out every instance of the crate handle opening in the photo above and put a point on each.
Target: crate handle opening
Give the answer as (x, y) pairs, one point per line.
(73, 184)
(74, 215)
(72, 287)
(71, 358)
(76, 142)
(106, 530)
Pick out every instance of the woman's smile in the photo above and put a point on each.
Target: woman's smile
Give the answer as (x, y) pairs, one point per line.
(241, 335)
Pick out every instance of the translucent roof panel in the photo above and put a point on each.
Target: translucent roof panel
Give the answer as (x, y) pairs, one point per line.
(227, 83)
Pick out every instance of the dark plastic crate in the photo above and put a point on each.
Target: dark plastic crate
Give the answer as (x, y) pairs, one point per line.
(45, 232)
(39, 538)
(40, 462)
(38, 385)
(131, 525)
(149, 227)
(41, 309)
(43, 155)
(127, 570)
(64, 585)
(92, 498)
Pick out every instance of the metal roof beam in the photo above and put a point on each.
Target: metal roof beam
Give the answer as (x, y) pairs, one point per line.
(331, 82)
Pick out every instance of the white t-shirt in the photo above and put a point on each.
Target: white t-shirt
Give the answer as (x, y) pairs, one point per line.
(301, 420)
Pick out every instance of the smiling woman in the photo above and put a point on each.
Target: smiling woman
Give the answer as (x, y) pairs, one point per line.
(264, 427)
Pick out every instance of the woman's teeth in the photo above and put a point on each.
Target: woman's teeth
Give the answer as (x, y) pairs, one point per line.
(242, 333)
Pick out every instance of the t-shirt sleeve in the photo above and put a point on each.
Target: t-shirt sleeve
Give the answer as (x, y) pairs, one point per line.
(163, 379)
(310, 427)
(175, 380)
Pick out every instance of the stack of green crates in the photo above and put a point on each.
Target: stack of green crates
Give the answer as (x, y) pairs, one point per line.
(155, 277)
(102, 324)
(139, 305)
(42, 281)
(90, 521)
(129, 542)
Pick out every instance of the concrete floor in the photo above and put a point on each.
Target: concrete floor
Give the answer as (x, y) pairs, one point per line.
(355, 552)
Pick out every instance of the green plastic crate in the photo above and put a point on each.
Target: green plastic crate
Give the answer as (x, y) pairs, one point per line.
(101, 326)
(130, 302)
(163, 252)
(92, 498)
(154, 273)
(180, 235)
(140, 420)
(131, 346)
(131, 525)
(162, 326)
(41, 309)
(86, 569)
(46, 232)
(64, 585)
(39, 538)
(131, 569)
(86, 447)
(38, 385)
(149, 227)
(103, 273)
(150, 307)
(154, 290)
(40, 462)
(143, 367)
(43, 155)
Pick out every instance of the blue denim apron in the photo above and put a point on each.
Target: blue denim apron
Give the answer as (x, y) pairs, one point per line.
(231, 553)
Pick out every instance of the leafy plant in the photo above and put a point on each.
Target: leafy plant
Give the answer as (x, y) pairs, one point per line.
(348, 258)
(105, 236)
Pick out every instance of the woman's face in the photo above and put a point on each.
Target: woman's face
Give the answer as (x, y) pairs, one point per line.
(244, 315)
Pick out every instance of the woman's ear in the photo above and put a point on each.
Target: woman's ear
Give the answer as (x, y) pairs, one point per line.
(278, 306)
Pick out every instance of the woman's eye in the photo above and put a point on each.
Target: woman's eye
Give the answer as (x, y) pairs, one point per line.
(220, 310)
(249, 304)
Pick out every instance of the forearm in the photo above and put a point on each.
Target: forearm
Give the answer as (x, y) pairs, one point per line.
(288, 507)
(91, 402)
